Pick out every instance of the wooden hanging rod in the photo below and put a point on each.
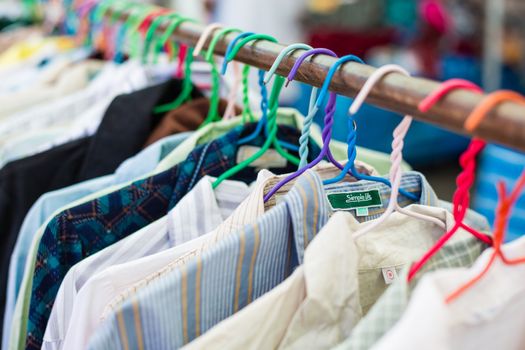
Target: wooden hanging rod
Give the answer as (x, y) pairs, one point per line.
(504, 125)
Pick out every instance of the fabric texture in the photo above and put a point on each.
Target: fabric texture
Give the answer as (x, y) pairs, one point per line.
(74, 234)
(122, 133)
(180, 306)
(87, 284)
(119, 281)
(205, 134)
(187, 117)
(71, 117)
(46, 205)
(461, 251)
(321, 302)
(475, 320)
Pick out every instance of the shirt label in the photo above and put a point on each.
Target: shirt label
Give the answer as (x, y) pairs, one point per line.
(355, 200)
(389, 274)
(269, 159)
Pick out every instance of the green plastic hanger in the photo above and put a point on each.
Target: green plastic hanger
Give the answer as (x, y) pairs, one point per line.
(150, 35)
(272, 133)
(291, 158)
(246, 110)
(187, 85)
(213, 113)
(135, 50)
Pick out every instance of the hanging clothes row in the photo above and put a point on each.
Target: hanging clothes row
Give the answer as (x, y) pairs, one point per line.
(151, 200)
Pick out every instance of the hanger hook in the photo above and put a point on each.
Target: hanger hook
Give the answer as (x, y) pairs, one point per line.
(204, 37)
(443, 89)
(331, 72)
(287, 50)
(372, 80)
(230, 47)
(172, 27)
(304, 56)
(218, 36)
(245, 40)
(152, 29)
(489, 102)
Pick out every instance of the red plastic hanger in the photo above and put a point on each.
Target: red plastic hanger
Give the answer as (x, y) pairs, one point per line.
(506, 203)
(465, 180)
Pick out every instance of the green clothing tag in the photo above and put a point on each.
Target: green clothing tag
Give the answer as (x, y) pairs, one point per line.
(355, 200)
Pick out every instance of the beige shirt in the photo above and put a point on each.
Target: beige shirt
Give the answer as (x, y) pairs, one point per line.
(317, 307)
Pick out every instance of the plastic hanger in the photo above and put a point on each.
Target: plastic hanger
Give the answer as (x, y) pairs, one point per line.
(328, 120)
(284, 52)
(312, 109)
(187, 85)
(352, 134)
(272, 134)
(231, 52)
(247, 114)
(491, 101)
(396, 156)
(150, 31)
(230, 109)
(465, 180)
(213, 112)
(505, 205)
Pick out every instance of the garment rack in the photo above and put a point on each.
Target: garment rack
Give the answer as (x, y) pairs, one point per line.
(504, 125)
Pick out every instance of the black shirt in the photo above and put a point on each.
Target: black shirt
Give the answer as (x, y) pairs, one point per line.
(124, 130)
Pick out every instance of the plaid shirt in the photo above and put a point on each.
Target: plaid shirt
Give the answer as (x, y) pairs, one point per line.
(88, 228)
(459, 252)
(183, 304)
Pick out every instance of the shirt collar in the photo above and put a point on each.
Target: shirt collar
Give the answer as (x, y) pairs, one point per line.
(253, 206)
(203, 209)
(411, 181)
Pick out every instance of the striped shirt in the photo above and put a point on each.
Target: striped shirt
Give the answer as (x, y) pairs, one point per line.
(193, 297)
(340, 278)
(247, 213)
(73, 302)
(188, 301)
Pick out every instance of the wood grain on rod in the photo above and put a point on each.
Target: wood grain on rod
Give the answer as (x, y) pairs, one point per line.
(396, 92)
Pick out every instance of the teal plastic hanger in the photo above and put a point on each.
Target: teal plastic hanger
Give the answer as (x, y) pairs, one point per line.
(213, 113)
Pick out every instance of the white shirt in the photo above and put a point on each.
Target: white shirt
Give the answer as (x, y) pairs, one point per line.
(51, 125)
(489, 315)
(106, 272)
(64, 79)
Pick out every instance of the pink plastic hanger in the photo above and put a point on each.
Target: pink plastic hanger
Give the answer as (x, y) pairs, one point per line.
(396, 156)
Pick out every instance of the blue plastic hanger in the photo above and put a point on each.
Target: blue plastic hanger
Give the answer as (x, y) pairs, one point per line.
(352, 152)
(262, 124)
